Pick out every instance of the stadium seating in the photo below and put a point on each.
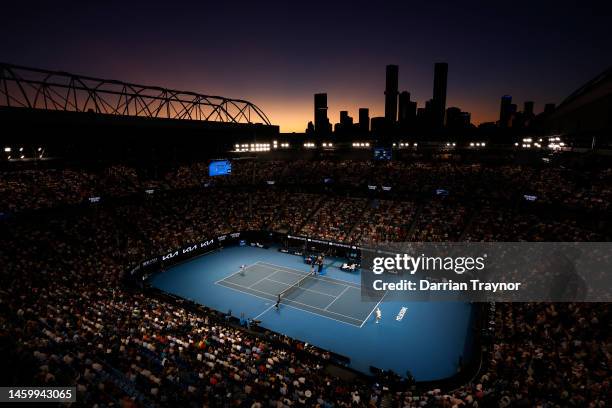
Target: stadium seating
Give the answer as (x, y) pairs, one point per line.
(67, 317)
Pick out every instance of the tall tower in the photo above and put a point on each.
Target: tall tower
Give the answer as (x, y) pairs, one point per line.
(321, 124)
(391, 94)
(505, 111)
(364, 119)
(439, 94)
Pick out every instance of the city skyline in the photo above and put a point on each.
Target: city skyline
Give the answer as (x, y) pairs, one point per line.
(278, 56)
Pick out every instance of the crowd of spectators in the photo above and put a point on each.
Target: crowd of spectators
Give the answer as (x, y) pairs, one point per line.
(586, 189)
(67, 318)
(335, 219)
(441, 220)
(385, 221)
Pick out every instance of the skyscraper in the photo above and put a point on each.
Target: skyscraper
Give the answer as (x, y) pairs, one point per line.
(404, 105)
(439, 94)
(364, 119)
(345, 120)
(505, 111)
(391, 93)
(321, 123)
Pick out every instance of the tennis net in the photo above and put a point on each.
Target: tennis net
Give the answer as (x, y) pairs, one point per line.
(295, 286)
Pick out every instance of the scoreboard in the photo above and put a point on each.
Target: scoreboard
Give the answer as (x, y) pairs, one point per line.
(382, 153)
(220, 168)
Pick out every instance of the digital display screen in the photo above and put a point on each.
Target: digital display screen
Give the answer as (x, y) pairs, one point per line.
(219, 168)
(382, 153)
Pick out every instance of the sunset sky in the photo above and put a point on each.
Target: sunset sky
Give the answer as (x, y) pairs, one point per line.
(278, 54)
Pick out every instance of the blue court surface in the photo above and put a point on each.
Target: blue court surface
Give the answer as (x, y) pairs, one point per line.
(326, 310)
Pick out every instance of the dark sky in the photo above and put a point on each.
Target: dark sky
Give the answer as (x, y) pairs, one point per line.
(277, 54)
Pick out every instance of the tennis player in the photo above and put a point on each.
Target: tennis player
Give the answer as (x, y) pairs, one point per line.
(242, 269)
(378, 315)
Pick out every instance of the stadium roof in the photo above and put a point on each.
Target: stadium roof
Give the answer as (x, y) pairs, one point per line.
(61, 91)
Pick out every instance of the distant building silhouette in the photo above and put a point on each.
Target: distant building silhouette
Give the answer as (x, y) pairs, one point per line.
(439, 94)
(345, 126)
(505, 111)
(345, 120)
(513, 113)
(528, 109)
(421, 114)
(549, 108)
(380, 125)
(321, 122)
(426, 121)
(310, 129)
(456, 119)
(391, 93)
(364, 119)
(407, 109)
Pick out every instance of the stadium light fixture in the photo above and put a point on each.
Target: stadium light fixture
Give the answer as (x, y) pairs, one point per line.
(471, 144)
(7, 149)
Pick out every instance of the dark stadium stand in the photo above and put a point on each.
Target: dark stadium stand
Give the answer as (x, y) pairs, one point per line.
(67, 316)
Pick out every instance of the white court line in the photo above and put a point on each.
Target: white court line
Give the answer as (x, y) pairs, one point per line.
(299, 303)
(237, 272)
(368, 318)
(264, 312)
(337, 297)
(333, 281)
(299, 287)
(292, 307)
(261, 280)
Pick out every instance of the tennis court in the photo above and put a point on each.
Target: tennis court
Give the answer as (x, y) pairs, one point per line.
(325, 310)
(331, 298)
